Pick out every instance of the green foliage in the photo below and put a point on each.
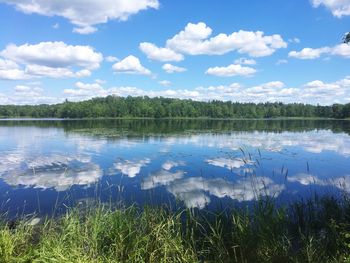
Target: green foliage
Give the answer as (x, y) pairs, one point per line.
(313, 231)
(146, 107)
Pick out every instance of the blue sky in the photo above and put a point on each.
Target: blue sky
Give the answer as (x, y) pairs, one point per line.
(242, 50)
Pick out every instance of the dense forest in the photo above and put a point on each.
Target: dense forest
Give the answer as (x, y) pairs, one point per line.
(113, 106)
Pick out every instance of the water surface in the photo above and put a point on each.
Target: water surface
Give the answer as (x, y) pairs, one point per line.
(48, 165)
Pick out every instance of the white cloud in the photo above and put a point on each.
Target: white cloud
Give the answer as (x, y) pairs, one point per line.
(13, 74)
(169, 68)
(9, 70)
(44, 71)
(7, 64)
(342, 50)
(111, 59)
(309, 53)
(84, 13)
(30, 94)
(231, 70)
(160, 54)
(194, 40)
(338, 8)
(48, 59)
(314, 92)
(86, 90)
(86, 30)
(53, 54)
(273, 91)
(245, 61)
(165, 83)
(320, 91)
(131, 65)
(23, 90)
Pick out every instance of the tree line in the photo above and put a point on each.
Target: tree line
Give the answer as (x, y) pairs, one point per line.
(113, 106)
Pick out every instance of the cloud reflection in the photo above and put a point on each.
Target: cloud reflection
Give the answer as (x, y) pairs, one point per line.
(52, 171)
(342, 183)
(196, 191)
(315, 141)
(228, 163)
(129, 168)
(161, 178)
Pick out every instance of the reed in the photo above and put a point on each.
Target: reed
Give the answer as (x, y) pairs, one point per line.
(316, 230)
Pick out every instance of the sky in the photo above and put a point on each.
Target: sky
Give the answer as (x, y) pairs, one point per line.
(237, 50)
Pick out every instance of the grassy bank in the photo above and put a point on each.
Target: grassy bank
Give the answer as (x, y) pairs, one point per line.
(317, 230)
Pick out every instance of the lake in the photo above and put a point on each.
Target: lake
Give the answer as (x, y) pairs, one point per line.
(49, 165)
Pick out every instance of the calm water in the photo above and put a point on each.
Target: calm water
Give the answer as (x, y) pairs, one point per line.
(46, 166)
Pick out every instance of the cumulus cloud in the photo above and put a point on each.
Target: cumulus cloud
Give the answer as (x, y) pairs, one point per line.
(44, 71)
(274, 91)
(30, 93)
(342, 50)
(28, 90)
(194, 40)
(9, 70)
(309, 53)
(87, 90)
(130, 65)
(338, 8)
(48, 59)
(84, 14)
(314, 92)
(169, 68)
(160, 54)
(231, 70)
(53, 54)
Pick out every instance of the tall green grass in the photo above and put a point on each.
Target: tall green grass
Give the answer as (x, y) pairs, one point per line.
(316, 230)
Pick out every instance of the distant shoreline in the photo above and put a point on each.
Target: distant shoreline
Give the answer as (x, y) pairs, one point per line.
(167, 118)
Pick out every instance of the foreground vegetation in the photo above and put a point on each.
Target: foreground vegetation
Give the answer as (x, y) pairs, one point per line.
(129, 107)
(317, 230)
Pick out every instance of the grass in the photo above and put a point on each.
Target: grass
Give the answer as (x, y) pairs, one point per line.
(316, 230)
